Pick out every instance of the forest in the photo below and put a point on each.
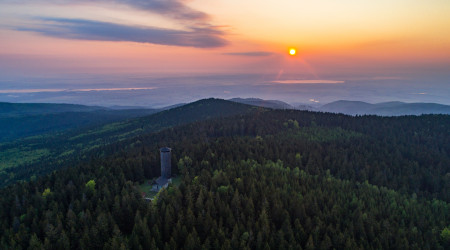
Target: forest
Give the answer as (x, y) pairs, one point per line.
(43, 153)
(21, 120)
(261, 179)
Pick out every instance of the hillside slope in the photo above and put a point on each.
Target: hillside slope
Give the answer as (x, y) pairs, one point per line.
(19, 126)
(273, 104)
(40, 154)
(384, 109)
(20, 109)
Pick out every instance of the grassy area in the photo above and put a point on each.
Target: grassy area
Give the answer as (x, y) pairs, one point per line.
(146, 187)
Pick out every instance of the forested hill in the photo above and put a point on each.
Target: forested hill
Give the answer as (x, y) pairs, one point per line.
(21, 109)
(21, 126)
(385, 108)
(20, 120)
(259, 180)
(273, 104)
(44, 153)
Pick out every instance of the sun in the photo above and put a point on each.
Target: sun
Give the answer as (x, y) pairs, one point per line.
(292, 51)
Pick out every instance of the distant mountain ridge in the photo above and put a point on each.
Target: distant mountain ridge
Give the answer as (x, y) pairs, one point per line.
(8, 109)
(394, 108)
(273, 104)
(384, 108)
(19, 120)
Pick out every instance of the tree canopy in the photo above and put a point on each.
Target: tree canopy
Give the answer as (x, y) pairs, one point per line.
(263, 180)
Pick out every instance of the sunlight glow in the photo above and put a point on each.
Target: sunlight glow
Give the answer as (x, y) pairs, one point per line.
(292, 51)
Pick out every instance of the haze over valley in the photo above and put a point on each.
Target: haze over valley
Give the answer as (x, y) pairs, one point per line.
(157, 92)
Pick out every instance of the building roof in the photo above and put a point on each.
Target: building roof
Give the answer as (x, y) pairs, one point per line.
(161, 181)
(165, 149)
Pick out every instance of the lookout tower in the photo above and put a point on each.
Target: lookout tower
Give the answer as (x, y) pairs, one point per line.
(166, 166)
(166, 170)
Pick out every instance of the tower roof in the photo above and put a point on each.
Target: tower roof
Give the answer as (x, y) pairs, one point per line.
(165, 149)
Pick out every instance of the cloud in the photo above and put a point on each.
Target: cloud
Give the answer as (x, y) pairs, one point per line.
(388, 78)
(199, 37)
(249, 53)
(176, 9)
(307, 81)
(24, 91)
(197, 31)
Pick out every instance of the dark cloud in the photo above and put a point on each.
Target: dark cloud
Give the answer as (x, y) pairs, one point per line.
(204, 37)
(176, 9)
(249, 53)
(173, 8)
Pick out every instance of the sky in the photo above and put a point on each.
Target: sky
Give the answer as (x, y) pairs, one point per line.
(376, 50)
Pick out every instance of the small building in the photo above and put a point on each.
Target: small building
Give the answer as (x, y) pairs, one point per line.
(160, 183)
(166, 170)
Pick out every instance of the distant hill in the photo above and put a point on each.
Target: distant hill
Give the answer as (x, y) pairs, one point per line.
(385, 108)
(273, 104)
(20, 109)
(18, 120)
(119, 107)
(305, 107)
(15, 127)
(44, 153)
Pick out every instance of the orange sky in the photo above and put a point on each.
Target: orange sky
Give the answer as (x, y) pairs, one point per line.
(348, 36)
